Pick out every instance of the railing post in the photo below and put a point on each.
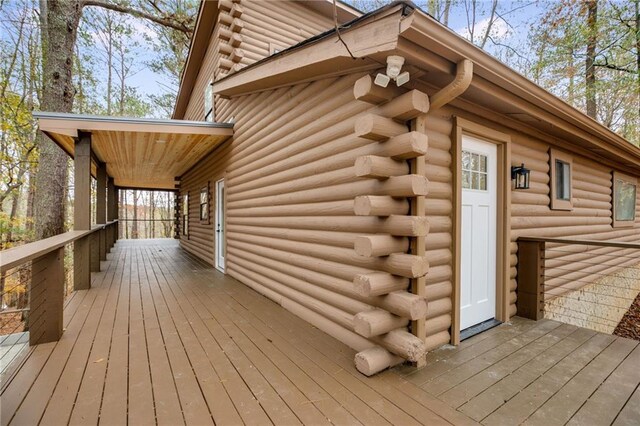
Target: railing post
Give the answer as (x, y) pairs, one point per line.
(82, 212)
(530, 279)
(101, 208)
(176, 210)
(102, 236)
(47, 298)
(94, 239)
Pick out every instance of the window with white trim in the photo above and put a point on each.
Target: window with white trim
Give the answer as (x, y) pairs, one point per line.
(185, 214)
(625, 195)
(204, 204)
(561, 174)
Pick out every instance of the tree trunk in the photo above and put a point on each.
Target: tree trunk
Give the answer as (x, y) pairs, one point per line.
(492, 20)
(12, 216)
(637, 2)
(152, 210)
(445, 13)
(31, 196)
(109, 63)
(571, 87)
(59, 22)
(134, 223)
(590, 70)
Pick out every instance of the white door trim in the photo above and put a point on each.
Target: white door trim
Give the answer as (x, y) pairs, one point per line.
(219, 226)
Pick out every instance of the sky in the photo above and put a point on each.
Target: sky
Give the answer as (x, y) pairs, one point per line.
(512, 30)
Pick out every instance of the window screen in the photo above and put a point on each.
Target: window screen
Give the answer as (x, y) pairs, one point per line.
(625, 200)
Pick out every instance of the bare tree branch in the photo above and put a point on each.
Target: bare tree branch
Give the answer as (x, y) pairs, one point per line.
(335, 20)
(164, 21)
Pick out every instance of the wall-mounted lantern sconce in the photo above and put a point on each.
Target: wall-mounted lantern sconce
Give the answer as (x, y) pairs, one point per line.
(521, 175)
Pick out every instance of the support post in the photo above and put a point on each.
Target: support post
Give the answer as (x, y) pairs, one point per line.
(418, 248)
(82, 211)
(531, 279)
(112, 212)
(47, 298)
(176, 211)
(101, 207)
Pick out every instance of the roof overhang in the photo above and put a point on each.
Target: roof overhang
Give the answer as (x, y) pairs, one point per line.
(207, 17)
(369, 39)
(504, 93)
(138, 153)
(497, 92)
(205, 23)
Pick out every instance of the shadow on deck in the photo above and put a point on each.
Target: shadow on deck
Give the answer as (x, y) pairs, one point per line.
(163, 338)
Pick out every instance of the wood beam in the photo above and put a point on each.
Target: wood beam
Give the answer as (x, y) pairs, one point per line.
(82, 211)
(377, 322)
(101, 193)
(112, 200)
(530, 279)
(380, 205)
(367, 91)
(418, 247)
(378, 283)
(101, 208)
(373, 166)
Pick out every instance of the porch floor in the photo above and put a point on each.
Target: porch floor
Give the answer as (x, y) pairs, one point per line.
(164, 338)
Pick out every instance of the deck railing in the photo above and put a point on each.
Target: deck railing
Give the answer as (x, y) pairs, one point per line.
(146, 228)
(34, 286)
(587, 283)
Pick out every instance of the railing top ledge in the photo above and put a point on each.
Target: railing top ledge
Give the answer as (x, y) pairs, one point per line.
(18, 255)
(617, 244)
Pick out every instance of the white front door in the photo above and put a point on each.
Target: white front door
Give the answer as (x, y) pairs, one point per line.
(478, 240)
(219, 225)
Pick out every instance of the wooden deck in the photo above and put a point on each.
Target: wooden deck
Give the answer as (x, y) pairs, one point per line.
(163, 338)
(537, 373)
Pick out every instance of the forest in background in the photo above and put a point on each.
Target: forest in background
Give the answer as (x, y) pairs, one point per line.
(108, 58)
(585, 52)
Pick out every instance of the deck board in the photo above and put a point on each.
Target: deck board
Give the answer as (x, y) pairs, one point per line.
(163, 338)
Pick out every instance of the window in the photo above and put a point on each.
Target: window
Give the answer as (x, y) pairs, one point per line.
(208, 103)
(561, 165)
(185, 214)
(625, 193)
(474, 171)
(563, 180)
(204, 204)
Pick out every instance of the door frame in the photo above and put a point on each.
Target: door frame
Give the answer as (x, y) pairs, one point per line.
(217, 241)
(462, 126)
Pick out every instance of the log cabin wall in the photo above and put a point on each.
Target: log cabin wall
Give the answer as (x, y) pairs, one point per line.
(246, 32)
(291, 186)
(439, 212)
(290, 229)
(531, 215)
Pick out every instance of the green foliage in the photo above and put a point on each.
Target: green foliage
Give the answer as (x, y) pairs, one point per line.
(559, 41)
(13, 231)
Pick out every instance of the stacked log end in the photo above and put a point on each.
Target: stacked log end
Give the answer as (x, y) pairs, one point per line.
(388, 123)
(373, 360)
(230, 57)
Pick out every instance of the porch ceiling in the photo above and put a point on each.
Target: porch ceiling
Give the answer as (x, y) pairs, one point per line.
(139, 153)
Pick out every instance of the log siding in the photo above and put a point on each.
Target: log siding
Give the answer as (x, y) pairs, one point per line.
(246, 32)
(303, 189)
